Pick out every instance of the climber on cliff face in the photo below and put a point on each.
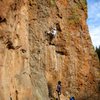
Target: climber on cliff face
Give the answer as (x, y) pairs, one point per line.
(59, 89)
(51, 34)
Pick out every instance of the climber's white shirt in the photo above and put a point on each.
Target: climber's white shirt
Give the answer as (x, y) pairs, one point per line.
(54, 31)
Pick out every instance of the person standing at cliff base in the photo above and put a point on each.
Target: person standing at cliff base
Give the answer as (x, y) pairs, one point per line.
(59, 89)
(72, 98)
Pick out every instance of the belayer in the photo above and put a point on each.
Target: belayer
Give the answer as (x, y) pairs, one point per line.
(59, 88)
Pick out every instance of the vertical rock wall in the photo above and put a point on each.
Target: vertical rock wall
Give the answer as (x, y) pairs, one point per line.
(32, 59)
(17, 80)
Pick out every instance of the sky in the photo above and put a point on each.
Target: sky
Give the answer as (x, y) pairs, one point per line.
(93, 21)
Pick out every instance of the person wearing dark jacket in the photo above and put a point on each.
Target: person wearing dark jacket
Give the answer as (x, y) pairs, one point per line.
(59, 88)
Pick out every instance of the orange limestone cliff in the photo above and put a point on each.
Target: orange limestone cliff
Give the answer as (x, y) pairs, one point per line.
(42, 42)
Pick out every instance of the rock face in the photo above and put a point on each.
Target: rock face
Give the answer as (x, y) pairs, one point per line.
(41, 42)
